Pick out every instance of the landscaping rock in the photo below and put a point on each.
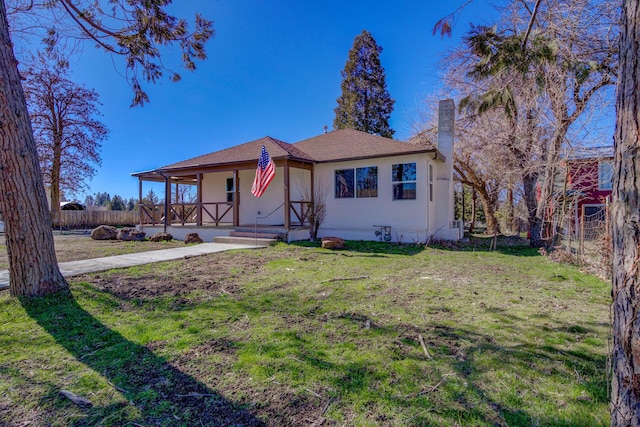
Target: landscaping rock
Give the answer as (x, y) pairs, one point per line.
(104, 232)
(161, 237)
(332, 243)
(131, 234)
(192, 238)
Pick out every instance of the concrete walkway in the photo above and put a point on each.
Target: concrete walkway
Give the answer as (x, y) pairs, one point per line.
(75, 268)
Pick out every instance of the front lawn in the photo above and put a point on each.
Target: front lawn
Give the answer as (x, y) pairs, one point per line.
(374, 335)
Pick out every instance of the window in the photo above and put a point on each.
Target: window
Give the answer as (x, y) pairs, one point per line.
(359, 182)
(367, 182)
(344, 183)
(605, 175)
(594, 211)
(230, 189)
(403, 177)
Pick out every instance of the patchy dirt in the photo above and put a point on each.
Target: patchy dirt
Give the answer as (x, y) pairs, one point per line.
(209, 276)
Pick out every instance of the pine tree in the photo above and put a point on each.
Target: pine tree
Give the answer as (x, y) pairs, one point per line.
(625, 351)
(365, 103)
(117, 203)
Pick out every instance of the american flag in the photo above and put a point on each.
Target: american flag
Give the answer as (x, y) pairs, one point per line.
(265, 172)
(344, 187)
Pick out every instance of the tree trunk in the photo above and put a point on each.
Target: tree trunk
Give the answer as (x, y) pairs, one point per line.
(529, 182)
(489, 203)
(511, 212)
(33, 268)
(55, 178)
(474, 210)
(625, 357)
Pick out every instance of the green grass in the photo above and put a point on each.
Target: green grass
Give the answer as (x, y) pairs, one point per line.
(295, 334)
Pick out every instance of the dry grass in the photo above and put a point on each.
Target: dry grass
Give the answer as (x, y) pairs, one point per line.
(73, 247)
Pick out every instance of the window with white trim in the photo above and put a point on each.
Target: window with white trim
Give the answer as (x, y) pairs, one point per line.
(605, 175)
(403, 179)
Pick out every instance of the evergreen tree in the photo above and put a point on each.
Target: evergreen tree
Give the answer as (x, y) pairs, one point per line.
(151, 198)
(102, 199)
(365, 103)
(117, 203)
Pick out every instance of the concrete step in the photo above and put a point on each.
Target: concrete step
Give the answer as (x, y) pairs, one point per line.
(273, 229)
(259, 235)
(244, 240)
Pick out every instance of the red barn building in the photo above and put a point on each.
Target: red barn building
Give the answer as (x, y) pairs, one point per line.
(589, 176)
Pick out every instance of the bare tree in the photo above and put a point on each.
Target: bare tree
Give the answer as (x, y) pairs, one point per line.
(478, 162)
(67, 133)
(317, 210)
(133, 29)
(541, 67)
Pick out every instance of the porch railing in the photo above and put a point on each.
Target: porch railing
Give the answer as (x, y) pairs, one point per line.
(182, 213)
(301, 210)
(212, 213)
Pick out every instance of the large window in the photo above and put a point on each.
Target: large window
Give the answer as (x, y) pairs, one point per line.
(605, 175)
(403, 177)
(359, 182)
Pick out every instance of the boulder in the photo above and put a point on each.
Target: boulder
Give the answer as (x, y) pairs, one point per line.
(104, 232)
(131, 234)
(332, 243)
(192, 238)
(161, 237)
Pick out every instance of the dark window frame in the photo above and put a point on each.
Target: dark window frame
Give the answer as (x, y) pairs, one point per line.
(403, 188)
(347, 183)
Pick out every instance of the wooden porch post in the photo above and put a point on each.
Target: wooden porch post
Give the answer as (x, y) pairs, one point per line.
(287, 198)
(236, 198)
(167, 201)
(140, 200)
(199, 200)
(313, 189)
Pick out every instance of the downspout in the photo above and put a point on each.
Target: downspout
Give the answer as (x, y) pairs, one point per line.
(167, 196)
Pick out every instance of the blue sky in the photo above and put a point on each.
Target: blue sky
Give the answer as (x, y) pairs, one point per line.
(273, 68)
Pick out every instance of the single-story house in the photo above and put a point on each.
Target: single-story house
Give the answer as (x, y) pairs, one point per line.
(369, 188)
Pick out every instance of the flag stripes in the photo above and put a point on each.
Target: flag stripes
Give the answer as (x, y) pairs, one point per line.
(265, 172)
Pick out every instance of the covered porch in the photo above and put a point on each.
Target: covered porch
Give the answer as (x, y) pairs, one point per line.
(216, 201)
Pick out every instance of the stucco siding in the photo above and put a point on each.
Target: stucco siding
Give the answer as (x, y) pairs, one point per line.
(354, 218)
(252, 207)
(214, 188)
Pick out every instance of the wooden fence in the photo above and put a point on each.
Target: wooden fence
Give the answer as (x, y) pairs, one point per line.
(92, 219)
